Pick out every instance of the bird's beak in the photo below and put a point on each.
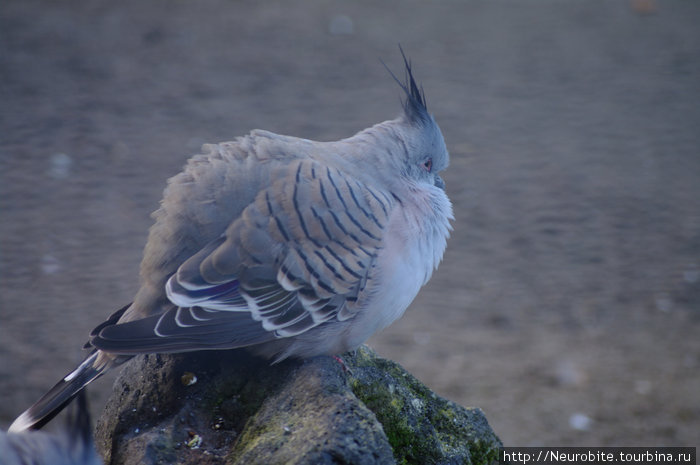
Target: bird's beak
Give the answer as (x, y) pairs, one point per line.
(439, 182)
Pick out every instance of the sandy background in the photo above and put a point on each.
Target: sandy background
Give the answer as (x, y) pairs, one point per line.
(568, 303)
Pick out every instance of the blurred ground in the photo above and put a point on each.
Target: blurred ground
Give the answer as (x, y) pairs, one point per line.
(568, 303)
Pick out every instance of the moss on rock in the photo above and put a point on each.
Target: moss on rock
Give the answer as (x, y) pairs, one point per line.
(421, 427)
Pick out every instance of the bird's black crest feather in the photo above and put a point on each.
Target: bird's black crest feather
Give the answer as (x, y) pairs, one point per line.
(414, 106)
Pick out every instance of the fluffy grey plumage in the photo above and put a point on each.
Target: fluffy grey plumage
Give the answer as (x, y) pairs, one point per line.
(288, 246)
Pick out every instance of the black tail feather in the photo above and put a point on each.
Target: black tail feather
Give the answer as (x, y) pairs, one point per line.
(112, 320)
(58, 396)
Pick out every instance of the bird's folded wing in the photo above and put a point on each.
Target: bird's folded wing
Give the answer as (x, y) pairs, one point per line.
(300, 254)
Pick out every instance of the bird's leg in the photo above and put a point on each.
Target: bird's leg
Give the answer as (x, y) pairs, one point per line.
(345, 367)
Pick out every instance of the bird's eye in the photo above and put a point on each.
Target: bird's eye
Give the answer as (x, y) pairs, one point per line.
(428, 165)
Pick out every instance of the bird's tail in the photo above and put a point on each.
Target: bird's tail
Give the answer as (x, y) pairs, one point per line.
(59, 396)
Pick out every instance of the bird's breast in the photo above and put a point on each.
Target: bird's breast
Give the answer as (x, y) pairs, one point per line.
(414, 243)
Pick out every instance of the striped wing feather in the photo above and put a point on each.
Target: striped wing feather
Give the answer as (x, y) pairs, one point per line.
(298, 256)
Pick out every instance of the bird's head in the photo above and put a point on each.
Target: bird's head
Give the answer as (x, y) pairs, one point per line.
(425, 153)
(408, 148)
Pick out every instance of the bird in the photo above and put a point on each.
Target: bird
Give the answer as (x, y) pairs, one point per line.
(286, 246)
(72, 445)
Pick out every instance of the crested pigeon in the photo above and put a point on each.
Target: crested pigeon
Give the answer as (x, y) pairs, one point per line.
(286, 246)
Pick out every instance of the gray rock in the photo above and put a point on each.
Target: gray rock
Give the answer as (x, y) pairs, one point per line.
(229, 407)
